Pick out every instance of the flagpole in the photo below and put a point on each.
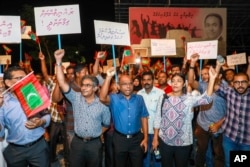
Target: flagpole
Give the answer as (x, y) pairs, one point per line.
(20, 51)
(164, 60)
(6, 90)
(200, 68)
(39, 47)
(236, 66)
(237, 70)
(114, 62)
(16, 83)
(59, 41)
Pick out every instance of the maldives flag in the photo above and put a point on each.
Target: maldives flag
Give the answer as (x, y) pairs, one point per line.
(31, 94)
(7, 50)
(128, 56)
(23, 23)
(145, 61)
(102, 55)
(34, 37)
(168, 66)
(159, 65)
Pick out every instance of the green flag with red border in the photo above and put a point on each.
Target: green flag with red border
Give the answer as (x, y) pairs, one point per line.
(128, 56)
(31, 94)
(7, 49)
(102, 55)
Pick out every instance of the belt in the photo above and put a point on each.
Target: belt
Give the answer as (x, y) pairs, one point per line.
(87, 139)
(129, 135)
(28, 144)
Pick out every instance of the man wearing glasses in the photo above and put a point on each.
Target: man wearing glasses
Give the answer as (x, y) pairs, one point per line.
(236, 125)
(27, 146)
(91, 117)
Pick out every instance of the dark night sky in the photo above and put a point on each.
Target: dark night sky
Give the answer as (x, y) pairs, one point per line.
(89, 11)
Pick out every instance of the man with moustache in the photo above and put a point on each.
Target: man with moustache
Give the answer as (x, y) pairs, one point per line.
(163, 82)
(91, 117)
(27, 146)
(130, 119)
(236, 129)
(150, 94)
(213, 26)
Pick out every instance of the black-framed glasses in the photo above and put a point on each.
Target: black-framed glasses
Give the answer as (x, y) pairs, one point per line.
(126, 84)
(244, 82)
(87, 85)
(18, 78)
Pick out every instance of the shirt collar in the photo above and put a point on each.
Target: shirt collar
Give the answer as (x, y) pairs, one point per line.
(153, 90)
(245, 94)
(120, 95)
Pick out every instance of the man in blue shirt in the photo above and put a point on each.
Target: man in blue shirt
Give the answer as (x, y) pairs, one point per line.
(130, 117)
(25, 135)
(209, 120)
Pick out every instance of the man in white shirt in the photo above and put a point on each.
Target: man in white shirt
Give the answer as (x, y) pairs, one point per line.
(150, 94)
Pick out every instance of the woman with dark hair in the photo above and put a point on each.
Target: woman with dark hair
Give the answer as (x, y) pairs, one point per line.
(173, 132)
(137, 84)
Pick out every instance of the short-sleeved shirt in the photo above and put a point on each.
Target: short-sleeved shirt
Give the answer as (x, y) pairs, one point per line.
(127, 113)
(89, 118)
(213, 114)
(167, 89)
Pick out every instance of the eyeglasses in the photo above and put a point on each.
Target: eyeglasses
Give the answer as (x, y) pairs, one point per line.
(241, 82)
(18, 78)
(126, 84)
(87, 85)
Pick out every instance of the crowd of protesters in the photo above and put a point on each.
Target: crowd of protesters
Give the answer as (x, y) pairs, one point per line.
(127, 117)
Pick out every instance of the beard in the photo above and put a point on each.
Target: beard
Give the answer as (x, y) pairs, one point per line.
(147, 86)
(240, 90)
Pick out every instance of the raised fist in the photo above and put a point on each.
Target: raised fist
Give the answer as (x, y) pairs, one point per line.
(111, 72)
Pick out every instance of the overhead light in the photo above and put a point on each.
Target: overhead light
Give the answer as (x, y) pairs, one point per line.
(137, 60)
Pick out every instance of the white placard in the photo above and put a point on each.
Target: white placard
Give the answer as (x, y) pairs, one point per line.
(10, 29)
(4, 58)
(111, 33)
(163, 47)
(206, 49)
(236, 59)
(53, 20)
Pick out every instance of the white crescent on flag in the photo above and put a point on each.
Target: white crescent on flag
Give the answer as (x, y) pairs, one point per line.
(30, 95)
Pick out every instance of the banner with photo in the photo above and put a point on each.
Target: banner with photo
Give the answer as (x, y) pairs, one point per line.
(158, 22)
